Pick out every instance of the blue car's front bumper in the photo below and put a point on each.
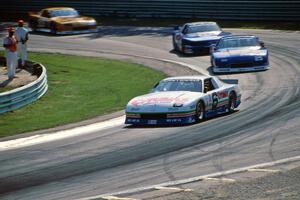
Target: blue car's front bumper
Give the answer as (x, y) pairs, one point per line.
(240, 64)
(240, 69)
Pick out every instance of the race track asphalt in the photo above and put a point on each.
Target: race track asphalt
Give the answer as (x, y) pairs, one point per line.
(266, 128)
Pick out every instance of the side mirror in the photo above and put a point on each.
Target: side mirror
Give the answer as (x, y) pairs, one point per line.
(212, 48)
(262, 44)
(153, 89)
(223, 33)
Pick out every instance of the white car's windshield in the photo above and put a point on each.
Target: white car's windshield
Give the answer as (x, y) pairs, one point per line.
(201, 28)
(64, 13)
(179, 85)
(237, 42)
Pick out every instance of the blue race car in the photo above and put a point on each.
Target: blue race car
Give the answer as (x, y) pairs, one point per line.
(197, 37)
(239, 54)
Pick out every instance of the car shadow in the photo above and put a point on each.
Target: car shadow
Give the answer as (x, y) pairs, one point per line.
(45, 34)
(179, 125)
(125, 31)
(118, 31)
(182, 55)
(5, 83)
(155, 126)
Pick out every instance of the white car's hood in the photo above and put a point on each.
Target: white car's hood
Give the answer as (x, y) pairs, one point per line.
(162, 101)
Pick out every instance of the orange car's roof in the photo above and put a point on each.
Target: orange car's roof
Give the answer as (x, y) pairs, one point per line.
(59, 8)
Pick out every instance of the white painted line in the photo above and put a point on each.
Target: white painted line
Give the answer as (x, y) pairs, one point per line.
(173, 189)
(116, 198)
(49, 137)
(197, 178)
(219, 179)
(263, 170)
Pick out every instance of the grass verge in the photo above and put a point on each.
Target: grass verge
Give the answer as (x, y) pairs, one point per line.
(5, 89)
(79, 88)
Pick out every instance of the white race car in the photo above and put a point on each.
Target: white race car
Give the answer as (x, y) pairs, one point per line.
(183, 100)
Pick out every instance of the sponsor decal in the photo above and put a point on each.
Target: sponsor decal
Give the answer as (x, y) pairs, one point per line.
(215, 100)
(133, 120)
(258, 58)
(173, 120)
(222, 94)
(152, 122)
(158, 100)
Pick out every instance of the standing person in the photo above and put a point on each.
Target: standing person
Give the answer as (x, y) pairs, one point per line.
(22, 38)
(10, 45)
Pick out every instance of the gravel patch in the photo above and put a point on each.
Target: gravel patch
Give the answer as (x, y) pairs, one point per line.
(23, 77)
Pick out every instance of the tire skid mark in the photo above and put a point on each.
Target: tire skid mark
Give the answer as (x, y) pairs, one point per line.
(257, 116)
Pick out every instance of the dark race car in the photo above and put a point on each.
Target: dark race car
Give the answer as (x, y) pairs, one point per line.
(197, 37)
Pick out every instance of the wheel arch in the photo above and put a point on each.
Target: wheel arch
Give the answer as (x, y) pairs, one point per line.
(203, 102)
(233, 92)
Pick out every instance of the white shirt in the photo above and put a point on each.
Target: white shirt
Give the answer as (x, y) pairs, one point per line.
(21, 33)
(6, 41)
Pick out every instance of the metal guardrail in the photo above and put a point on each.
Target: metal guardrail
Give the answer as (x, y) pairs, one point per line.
(283, 10)
(19, 97)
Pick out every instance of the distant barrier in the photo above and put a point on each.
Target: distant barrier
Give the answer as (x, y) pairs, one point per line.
(280, 10)
(27, 94)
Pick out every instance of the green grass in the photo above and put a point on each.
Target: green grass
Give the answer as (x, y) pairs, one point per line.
(79, 88)
(5, 89)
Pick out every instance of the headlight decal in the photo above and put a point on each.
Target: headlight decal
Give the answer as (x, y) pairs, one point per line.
(174, 115)
(258, 58)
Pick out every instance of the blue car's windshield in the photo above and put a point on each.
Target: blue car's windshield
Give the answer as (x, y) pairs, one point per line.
(238, 42)
(201, 28)
(179, 85)
(64, 13)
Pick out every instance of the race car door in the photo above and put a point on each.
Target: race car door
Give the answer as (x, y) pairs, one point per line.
(44, 20)
(213, 91)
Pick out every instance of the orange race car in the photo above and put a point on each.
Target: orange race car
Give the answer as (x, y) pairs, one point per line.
(61, 20)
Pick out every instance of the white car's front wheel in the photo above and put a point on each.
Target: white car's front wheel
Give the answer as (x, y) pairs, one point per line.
(200, 111)
(232, 102)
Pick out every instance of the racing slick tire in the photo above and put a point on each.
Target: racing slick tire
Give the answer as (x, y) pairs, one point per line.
(200, 112)
(53, 28)
(232, 102)
(175, 46)
(33, 25)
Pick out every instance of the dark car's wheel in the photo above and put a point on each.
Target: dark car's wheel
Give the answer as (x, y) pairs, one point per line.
(232, 102)
(175, 47)
(53, 28)
(33, 25)
(211, 62)
(200, 111)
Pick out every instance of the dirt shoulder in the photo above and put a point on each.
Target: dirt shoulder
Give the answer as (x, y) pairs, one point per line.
(22, 78)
